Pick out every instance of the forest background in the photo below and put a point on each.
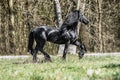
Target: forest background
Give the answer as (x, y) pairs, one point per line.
(19, 17)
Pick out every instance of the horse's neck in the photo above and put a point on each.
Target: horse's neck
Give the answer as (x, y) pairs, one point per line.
(74, 26)
(65, 27)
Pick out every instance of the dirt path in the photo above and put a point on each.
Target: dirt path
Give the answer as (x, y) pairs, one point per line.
(88, 54)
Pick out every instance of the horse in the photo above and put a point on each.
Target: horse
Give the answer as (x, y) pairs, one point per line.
(66, 34)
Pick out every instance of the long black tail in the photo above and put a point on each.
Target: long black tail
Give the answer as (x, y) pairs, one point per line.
(30, 42)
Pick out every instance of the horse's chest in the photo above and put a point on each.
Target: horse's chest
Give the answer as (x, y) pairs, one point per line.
(71, 35)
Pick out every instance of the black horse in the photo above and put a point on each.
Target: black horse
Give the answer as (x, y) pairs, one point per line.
(66, 34)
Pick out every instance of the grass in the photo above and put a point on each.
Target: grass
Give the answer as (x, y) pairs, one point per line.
(88, 68)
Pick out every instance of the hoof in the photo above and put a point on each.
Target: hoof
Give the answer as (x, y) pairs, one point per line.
(48, 60)
(63, 58)
(34, 62)
(81, 54)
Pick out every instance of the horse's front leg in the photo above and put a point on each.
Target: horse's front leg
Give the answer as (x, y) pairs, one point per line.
(65, 50)
(82, 48)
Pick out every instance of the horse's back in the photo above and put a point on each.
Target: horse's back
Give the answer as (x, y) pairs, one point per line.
(43, 31)
(43, 28)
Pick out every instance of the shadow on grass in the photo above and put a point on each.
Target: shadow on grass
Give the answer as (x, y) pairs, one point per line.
(29, 61)
(112, 65)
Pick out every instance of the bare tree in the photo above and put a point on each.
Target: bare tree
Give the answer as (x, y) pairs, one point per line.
(99, 24)
(59, 21)
(72, 48)
(58, 12)
(11, 26)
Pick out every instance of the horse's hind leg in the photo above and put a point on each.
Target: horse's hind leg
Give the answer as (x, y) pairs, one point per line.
(35, 53)
(47, 57)
(41, 46)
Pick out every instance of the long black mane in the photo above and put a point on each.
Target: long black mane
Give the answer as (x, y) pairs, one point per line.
(66, 34)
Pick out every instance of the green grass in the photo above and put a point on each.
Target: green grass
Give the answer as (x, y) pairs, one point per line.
(88, 68)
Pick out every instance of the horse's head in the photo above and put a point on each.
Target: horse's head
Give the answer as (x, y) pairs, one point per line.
(82, 18)
(76, 16)
(72, 20)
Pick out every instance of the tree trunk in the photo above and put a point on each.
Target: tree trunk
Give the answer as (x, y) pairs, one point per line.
(59, 21)
(82, 7)
(71, 48)
(11, 27)
(99, 24)
(58, 12)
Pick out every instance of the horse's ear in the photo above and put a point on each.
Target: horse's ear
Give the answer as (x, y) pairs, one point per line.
(71, 18)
